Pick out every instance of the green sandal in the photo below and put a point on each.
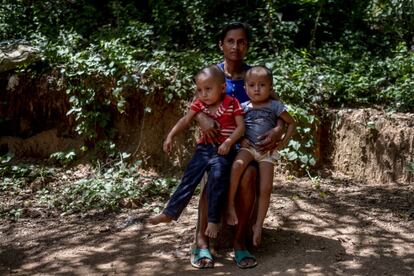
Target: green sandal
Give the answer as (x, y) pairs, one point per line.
(199, 254)
(241, 255)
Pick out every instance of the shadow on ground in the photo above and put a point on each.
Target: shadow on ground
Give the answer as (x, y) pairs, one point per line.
(333, 228)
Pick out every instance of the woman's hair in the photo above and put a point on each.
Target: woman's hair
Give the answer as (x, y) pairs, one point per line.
(234, 26)
(214, 71)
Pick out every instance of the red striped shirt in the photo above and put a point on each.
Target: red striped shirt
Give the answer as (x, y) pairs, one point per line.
(224, 115)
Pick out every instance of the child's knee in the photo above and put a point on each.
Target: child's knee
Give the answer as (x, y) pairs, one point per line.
(238, 165)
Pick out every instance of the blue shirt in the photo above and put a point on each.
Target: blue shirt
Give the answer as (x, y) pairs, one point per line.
(235, 88)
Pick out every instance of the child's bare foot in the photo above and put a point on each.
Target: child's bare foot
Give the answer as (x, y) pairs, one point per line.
(212, 230)
(231, 216)
(159, 219)
(257, 235)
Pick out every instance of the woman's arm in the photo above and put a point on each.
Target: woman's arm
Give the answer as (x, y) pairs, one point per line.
(270, 140)
(285, 116)
(209, 127)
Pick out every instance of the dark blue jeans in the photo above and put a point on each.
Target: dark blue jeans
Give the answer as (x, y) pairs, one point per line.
(218, 167)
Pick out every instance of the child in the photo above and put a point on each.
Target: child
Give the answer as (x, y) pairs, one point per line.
(215, 158)
(261, 114)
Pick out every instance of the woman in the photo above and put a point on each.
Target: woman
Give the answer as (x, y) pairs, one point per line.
(234, 43)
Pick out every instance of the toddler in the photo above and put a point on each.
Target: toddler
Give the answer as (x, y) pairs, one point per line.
(215, 157)
(261, 115)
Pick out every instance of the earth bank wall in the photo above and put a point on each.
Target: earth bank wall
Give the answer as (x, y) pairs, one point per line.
(366, 144)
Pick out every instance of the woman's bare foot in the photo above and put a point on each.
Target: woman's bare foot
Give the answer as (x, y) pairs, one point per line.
(159, 219)
(212, 230)
(257, 235)
(231, 216)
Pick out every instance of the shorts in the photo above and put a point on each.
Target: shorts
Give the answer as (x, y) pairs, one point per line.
(270, 156)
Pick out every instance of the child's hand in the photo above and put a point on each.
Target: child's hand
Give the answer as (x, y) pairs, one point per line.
(168, 145)
(224, 148)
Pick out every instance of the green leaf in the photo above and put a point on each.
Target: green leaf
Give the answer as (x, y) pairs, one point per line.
(292, 156)
(294, 144)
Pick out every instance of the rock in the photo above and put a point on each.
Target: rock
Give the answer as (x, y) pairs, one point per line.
(15, 53)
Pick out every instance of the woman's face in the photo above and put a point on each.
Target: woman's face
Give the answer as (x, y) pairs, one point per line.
(234, 45)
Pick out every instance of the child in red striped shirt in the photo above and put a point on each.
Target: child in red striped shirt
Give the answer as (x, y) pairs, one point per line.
(214, 157)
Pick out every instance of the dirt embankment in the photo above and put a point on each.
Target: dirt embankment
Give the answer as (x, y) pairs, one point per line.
(372, 145)
(34, 124)
(364, 143)
(33, 121)
(142, 129)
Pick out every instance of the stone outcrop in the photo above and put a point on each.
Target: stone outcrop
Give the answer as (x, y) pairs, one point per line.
(16, 53)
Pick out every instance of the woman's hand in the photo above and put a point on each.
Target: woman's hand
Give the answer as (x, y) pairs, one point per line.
(270, 140)
(209, 127)
(245, 143)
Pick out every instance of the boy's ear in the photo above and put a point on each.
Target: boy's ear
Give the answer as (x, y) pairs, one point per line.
(224, 87)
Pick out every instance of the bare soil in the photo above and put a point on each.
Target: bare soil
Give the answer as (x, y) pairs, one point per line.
(329, 226)
(372, 144)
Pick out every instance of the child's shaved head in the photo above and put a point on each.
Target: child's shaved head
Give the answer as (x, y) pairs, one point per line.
(214, 71)
(260, 70)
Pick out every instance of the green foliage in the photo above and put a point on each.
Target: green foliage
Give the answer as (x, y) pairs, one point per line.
(323, 53)
(300, 151)
(64, 157)
(410, 167)
(15, 177)
(14, 185)
(127, 68)
(333, 78)
(12, 175)
(107, 189)
(395, 18)
(15, 213)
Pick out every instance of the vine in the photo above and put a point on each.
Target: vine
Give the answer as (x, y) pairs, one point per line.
(105, 53)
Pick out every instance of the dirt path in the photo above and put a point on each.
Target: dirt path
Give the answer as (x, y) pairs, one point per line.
(334, 227)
